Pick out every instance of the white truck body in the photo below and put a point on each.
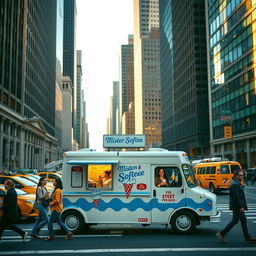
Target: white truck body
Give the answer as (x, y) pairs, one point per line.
(133, 196)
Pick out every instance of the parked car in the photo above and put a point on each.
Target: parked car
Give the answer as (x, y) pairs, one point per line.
(21, 183)
(25, 203)
(35, 178)
(26, 171)
(50, 176)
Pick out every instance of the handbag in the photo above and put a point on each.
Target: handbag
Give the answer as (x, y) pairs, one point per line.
(46, 202)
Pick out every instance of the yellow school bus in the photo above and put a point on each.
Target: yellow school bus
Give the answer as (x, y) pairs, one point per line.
(216, 176)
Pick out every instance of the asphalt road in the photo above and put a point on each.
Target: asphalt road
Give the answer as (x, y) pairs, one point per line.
(136, 240)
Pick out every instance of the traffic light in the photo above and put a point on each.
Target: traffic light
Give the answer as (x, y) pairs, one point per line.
(227, 132)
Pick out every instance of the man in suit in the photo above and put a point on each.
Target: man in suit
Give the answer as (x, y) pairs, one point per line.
(237, 203)
(10, 211)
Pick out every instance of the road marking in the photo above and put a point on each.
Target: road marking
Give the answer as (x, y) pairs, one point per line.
(126, 250)
(8, 238)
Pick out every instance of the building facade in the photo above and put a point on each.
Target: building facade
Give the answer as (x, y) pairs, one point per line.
(67, 131)
(126, 82)
(79, 101)
(84, 125)
(231, 54)
(147, 89)
(185, 117)
(114, 109)
(27, 83)
(69, 51)
(128, 120)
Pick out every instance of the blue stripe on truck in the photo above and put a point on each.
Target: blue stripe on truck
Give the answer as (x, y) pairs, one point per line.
(116, 204)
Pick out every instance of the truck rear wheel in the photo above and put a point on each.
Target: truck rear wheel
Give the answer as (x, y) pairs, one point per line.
(183, 222)
(74, 221)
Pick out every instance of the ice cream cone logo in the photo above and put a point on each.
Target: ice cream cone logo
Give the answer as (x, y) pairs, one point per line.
(96, 202)
(128, 189)
(96, 196)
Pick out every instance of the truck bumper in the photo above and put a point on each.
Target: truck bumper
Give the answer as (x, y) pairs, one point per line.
(216, 218)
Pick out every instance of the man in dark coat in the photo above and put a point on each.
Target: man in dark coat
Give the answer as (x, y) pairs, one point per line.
(237, 203)
(10, 211)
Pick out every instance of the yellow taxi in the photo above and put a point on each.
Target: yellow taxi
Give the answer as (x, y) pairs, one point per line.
(216, 175)
(50, 176)
(35, 178)
(21, 183)
(25, 203)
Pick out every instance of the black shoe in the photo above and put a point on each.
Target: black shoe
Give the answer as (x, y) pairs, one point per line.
(252, 239)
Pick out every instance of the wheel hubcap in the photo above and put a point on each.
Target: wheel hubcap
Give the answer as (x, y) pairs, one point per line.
(183, 222)
(72, 222)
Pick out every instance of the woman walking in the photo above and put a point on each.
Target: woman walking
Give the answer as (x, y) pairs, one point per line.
(41, 195)
(56, 207)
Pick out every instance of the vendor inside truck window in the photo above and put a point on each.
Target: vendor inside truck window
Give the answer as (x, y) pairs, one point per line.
(99, 176)
(167, 177)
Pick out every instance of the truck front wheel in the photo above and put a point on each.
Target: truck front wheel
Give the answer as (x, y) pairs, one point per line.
(183, 222)
(74, 221)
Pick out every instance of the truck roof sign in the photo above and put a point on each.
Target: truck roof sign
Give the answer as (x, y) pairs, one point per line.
(124, 141)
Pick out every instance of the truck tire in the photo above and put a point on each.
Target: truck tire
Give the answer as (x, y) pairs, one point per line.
(183, 222)
(211, 187)
(74, 221)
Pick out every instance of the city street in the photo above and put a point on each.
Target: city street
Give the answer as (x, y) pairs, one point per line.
(131, 240)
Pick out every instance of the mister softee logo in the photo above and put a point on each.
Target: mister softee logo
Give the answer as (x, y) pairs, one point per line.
(127, 176)
(128, 173)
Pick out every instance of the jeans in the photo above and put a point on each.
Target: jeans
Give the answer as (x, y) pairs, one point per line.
(41, 220)
(55, 217)
(237, 215)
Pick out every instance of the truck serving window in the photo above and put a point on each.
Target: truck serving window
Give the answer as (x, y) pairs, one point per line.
(99, 176)
(167, 177)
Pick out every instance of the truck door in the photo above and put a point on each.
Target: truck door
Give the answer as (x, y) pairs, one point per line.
(167, 192)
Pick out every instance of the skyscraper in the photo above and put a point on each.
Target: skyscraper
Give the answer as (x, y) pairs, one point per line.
(147, 71)
(69, 50)
(231, 57)
(185, 117)
(27, 83)
(126, 82)
(114, 114)
(79, 100)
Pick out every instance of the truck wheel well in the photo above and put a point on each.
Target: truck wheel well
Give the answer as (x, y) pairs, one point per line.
(74, 220)
(189, 210)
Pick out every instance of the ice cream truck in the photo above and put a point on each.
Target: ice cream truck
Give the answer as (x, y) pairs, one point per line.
(133, 187)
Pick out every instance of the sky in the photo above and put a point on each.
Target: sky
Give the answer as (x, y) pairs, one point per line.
(102, 27)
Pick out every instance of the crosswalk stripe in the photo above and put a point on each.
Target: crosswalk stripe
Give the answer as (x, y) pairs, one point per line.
(129, 250)
(18, 238)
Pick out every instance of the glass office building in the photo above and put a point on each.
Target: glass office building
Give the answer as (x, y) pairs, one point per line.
(231, 31)
(184, 87)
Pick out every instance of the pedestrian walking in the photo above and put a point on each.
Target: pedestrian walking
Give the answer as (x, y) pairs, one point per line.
(56, 207)
(237, 203)
(10, 211)
(42, 197)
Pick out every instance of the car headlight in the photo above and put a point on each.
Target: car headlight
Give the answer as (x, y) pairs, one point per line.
(30, 201)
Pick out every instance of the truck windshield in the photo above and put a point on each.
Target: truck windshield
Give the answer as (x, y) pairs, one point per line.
(189, 175)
